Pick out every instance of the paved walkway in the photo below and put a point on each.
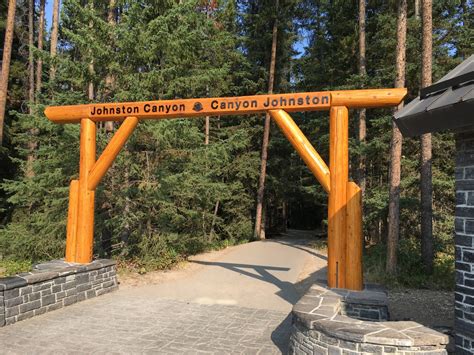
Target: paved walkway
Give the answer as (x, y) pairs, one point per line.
(237, 302)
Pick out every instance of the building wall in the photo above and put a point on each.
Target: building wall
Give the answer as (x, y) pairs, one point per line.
(464, 238)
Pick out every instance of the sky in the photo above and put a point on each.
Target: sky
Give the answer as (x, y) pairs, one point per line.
(49, 13)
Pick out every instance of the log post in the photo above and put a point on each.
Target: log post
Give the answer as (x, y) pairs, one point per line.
(80, 225)
(339, 176)
(354, 247)
(71, 240)
(85, 213)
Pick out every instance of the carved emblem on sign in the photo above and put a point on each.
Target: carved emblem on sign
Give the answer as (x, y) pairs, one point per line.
(197, 107)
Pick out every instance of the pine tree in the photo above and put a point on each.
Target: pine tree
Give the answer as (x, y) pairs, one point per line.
(259, 231)
(109, 79)
(165, 179)
(31, 43)
(396, 147)
(31, 84)
(90, 67)
(362, 113)
(426, 183)
(39, 62)
(7, 49)
(54, 38)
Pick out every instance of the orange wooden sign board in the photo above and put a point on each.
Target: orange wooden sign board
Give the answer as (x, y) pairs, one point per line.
(344, 207)
(307, 101)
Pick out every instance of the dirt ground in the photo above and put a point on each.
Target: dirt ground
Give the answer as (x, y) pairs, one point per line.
(181, 270)
(434, 309)
(431, 308)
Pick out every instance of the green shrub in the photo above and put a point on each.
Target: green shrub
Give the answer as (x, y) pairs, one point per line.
(12, 267)
(410, 267)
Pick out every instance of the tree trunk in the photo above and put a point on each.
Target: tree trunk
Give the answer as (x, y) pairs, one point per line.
(7, 51)
(466, 18)
(31, 62)
(426, 182)
(54, 38)
(109, 79)
(266, 135)
(417, 9)
(396, 147)
(209, 7)
(362, 113)
(125, 234)
(284, 215)
(31, 88)
(214, 218)
(207, 125)
(206, 137)
(90, 90)
(39, 63)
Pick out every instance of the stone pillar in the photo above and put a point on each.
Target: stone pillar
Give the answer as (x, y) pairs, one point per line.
(464, 240)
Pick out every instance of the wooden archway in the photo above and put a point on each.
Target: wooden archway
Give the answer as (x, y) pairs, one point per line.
(344, 207)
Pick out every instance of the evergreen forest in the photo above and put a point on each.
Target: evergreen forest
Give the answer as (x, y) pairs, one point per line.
(183, 186)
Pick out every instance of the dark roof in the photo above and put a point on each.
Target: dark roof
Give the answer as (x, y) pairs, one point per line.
(447, 104)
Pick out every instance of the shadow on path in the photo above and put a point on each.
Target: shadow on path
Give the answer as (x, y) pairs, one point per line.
(281, 335)
(296, 246)
(287, 289)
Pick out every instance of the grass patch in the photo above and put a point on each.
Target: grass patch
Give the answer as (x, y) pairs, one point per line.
(12, 267)
(319, 244)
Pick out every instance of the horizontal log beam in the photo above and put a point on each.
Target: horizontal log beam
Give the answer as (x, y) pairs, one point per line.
(368, 98)
(307, 101)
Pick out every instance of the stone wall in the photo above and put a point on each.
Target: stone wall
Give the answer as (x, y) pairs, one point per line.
(2, 310)
(464, 236)
(365, 312)
(320, 328)
(370, 304)
(53, 285)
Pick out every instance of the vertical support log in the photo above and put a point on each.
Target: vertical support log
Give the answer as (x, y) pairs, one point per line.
(354, 277)
(71, 240)
(339, 176)
(85, 215)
